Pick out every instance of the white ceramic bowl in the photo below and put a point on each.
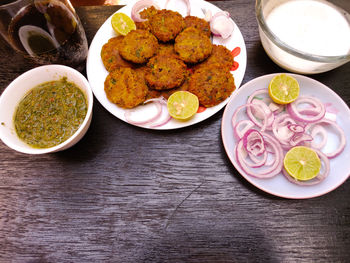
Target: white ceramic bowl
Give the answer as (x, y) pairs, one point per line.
(286, 54)
(19, 87)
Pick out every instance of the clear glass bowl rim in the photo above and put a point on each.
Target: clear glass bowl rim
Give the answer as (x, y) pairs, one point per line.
(284, 46)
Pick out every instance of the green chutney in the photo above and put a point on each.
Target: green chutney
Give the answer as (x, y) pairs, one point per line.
(50, 113)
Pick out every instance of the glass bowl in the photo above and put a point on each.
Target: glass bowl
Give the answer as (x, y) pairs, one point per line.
(287, 55)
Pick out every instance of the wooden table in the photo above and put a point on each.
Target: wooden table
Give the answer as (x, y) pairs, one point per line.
(127, 194)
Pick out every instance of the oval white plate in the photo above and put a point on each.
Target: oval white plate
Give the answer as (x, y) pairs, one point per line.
(97, 73)
(278, 185)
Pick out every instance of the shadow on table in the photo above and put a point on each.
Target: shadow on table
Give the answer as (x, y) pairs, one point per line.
(188, 242)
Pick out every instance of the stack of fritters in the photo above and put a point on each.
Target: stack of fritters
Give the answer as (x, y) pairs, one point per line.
(167, 53)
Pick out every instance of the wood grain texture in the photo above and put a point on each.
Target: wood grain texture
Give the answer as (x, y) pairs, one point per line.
(126, 194)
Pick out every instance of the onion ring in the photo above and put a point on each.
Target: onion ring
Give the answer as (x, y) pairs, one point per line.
(167, 117)
(150, 121)
(253, 142)
(221, 24)
(318, 129)
(248, 106)
(128, 116)
(342, 138)
(267, 110)
(242, 127)
(280, 129)
(271, 171)
(308, 115)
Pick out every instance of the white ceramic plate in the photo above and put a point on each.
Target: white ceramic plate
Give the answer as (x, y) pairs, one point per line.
(97, 73)
(278, 185)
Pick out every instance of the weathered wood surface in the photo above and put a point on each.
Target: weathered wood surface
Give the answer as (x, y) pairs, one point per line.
(126, 194)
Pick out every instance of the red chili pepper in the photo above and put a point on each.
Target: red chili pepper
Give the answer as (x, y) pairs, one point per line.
(201, 109)
(236, 51)
(234, 66)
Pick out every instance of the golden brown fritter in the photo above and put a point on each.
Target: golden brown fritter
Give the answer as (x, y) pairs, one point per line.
(165, 72)
(220, 56)
(166, 49)
(184, 87)
(152, 93)
(199, 23)
(110, 54)
(138, 46)
(141, 71)
(211, 85)
(192, 45)
(143, 25)
(166, 24)
(124, 87)
(148, 12)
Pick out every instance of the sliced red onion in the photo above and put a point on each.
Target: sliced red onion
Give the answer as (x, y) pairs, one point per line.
(166, 118)
(152, 119)
(280, 129)
(331, 116)
(259, 161)
(267, 112)
(339, 130)
(319, 130)
(255, 94)
(319, 178)
(276, 108)
(296, 128)
(288, 132)
(253, 142)
(129, 115)
(269, 171)
(248, 106)
(330, 108)
(162, 122)
(300, 138)
(242, 127)
(188, 5)
(276, 149)
(139, 6)
(252, 161)
(160, 100)
(308, 115)
(221, 24)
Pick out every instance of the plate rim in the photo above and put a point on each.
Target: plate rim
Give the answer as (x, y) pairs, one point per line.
(250, 178)
(179, 125)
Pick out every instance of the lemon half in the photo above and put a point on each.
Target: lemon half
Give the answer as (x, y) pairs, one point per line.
(302, 163)
(283, 89)
(122, 24)
(182, 105)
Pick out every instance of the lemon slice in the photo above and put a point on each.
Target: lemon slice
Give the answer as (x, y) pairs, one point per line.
(302, 163)
(182, 105)
(122, 24)
(283, 89)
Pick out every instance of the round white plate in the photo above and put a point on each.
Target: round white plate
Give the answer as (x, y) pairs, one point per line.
(97, 73)
(279, 185)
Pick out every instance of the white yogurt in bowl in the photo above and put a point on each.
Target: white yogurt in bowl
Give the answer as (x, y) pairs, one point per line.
(304, 36)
